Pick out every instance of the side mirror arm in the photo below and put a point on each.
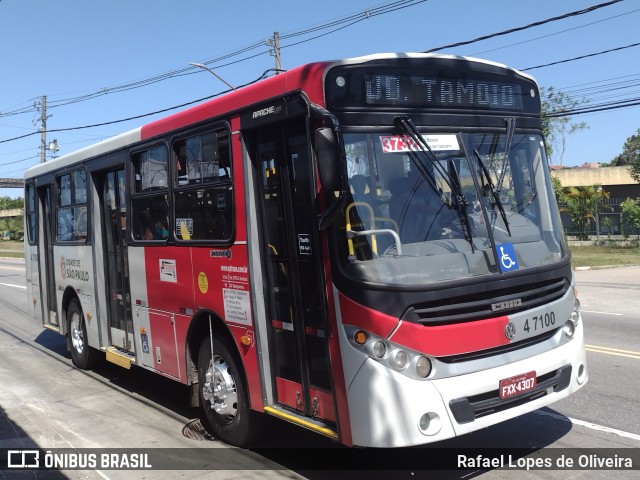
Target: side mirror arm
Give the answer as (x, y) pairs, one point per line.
(331, 157)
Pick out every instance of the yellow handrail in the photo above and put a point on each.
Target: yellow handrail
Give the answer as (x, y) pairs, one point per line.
(374, 245)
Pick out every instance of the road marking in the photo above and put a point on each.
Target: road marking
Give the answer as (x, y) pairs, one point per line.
(14, 286)
(603, 313)
(592, 426)
(613, 351)
(12, 268)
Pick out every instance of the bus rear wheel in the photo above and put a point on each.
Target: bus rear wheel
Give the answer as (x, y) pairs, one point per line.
(223, 395)
(82, 355)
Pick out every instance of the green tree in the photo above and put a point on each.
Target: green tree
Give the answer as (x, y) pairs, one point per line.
(630, 156)
(558, 189)
(7, 203)
(558, 128)
(582, 205)
(630, 152)
(631, 215)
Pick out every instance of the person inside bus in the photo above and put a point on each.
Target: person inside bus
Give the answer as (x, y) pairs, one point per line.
(155, 227)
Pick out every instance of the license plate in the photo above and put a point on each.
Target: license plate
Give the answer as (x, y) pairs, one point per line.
(512, 386)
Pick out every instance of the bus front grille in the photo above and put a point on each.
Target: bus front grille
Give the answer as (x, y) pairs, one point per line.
(478, 306)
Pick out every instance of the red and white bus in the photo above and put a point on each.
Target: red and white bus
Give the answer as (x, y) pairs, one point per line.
(371, 248)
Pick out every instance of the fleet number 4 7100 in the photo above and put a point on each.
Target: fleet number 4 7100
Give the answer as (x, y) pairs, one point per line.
(540, 322)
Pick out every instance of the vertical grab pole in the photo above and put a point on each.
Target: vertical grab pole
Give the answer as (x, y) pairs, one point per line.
(211, 346)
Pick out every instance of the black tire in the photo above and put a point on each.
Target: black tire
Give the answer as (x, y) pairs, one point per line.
(82, 355)
(226, 413)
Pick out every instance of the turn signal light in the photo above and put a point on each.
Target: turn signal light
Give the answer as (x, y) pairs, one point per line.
(360, 337)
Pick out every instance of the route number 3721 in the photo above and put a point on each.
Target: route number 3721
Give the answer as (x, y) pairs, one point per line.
(539, 323)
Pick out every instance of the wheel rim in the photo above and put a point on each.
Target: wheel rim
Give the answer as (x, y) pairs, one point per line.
(220, 390)
(77, 335)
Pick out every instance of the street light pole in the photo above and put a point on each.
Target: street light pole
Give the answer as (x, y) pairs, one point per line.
(204, 67)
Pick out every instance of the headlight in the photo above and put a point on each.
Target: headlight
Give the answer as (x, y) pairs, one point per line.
(423, 367)
(400, 360)
(379, 349)
(569, 329)
(574, 316)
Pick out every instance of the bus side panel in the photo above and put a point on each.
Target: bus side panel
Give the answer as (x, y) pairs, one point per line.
(168, 277)
(75, 270)
(32, 271)
(169, 274)
(222, 285)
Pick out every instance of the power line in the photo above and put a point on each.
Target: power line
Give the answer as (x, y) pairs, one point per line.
(353, 18)
(525, 27)
(581, 57)
(18, 161)
(632, 102)
(555, 33)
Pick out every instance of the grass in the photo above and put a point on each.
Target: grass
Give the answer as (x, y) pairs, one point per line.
(597, 256)
(11, 249)
(591, 256)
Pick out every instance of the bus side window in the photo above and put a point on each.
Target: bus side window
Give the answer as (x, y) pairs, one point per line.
(203, 190)
(71, 208)
(149, 207)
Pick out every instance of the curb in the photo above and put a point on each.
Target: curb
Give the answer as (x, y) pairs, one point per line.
(603, 267)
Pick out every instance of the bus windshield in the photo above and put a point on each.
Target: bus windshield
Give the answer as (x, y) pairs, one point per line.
(471, 204)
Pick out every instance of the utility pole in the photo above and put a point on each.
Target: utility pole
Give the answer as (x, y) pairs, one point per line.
(275, 51)
(43, 129)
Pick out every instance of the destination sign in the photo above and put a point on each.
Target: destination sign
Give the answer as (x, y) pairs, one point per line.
(430, 85)
(418, 90)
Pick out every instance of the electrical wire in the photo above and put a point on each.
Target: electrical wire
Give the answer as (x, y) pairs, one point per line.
(554, 34)
(581, 57)
(525, 27)
(354, 18)
(191, 70)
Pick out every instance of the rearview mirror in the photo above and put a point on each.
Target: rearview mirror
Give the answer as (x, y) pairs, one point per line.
(327, 151)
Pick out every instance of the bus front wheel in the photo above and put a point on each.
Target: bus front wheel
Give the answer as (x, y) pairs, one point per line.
(223, 396)
(82, 355)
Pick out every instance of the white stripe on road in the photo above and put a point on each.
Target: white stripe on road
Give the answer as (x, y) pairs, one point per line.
(12, 268)
(14, 286)
(612, 351)
(603, 313)
(592, 426)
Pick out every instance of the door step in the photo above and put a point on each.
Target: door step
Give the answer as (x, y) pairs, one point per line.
(306, 422)
(54, 328)
(120, 358)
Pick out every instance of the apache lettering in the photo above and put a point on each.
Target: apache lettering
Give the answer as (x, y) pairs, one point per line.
(265, 111)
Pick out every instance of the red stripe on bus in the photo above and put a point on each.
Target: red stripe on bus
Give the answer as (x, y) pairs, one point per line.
(444, 340)
(368, 319)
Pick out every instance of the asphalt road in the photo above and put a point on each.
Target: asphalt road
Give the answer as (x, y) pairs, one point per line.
(46, 402)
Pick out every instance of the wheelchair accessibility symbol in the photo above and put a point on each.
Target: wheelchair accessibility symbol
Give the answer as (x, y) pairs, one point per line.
(507, 257)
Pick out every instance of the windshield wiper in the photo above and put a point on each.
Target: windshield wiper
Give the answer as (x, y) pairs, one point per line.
(452, 180)
(492, 188)
(511, 128)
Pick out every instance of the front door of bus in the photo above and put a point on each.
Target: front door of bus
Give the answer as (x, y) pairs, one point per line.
(293, 270)
(114, 213)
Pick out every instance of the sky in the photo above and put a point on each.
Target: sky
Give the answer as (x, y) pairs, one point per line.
(69, 49)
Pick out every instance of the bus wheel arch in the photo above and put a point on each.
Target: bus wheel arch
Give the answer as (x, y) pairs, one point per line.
(83, 356)
(220, 384)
